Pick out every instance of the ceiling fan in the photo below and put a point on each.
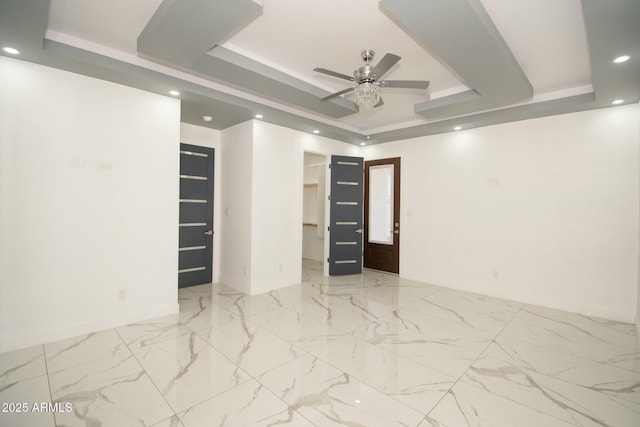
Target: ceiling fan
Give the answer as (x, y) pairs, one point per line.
(367, 86)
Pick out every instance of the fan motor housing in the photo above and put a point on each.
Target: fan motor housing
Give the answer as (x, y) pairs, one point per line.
(364, 74)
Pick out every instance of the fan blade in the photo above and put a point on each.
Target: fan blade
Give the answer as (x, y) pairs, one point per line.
(342, 92)
(379, 104)
(406, 84)
(385, 64)
(334, 74)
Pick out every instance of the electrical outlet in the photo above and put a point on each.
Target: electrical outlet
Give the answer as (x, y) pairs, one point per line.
(122, 294)
(496, 274)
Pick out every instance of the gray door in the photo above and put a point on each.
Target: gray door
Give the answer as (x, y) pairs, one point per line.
(345, 224)
(196, 215)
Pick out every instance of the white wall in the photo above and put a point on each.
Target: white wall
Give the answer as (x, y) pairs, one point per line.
(262, 177)
(236, 216)
(277, 207)
(88, 204)
(205, 137)
(543, 211)
(312, 245)
(261, 207)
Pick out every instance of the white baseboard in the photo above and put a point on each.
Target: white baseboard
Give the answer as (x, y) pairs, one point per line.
(15, 343)
(625, 316)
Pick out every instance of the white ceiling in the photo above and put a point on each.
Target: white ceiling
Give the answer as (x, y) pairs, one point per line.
(547, 37)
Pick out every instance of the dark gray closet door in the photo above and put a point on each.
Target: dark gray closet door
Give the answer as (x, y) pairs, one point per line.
(345, 251)
(196, 215)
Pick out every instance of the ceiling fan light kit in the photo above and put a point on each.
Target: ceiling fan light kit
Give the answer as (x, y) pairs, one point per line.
(367, 95)
(366, 91)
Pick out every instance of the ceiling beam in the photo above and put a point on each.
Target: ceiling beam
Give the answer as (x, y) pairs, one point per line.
(182, 30)
(23, 25)
(247, 74)
(613, 29)
(187, 34)
(463, 37)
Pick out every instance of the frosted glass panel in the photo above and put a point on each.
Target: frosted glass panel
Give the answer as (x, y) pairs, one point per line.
(381, 204)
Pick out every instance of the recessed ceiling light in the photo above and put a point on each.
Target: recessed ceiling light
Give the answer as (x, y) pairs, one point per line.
(316, 131)
(363, 143)
(621, 59)
(618, 101)
(11, 50)
(174, 93)
(457, 128)
(259, 116)
(207, 118)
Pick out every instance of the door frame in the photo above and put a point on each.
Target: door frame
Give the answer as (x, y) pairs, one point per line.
(395, 252)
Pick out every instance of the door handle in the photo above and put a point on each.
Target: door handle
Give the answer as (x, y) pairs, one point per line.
(209, 233)
(359, 230)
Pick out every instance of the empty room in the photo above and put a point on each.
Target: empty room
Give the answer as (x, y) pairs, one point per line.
(375, 213)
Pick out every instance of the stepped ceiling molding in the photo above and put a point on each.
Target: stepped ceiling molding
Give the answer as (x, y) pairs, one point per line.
(489, 61)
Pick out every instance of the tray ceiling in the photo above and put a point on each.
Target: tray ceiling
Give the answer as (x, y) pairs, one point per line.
(489, 61)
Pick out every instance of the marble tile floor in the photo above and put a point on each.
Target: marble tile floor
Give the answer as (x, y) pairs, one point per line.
(371, 350)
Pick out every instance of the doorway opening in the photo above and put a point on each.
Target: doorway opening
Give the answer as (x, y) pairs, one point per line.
(313, 214)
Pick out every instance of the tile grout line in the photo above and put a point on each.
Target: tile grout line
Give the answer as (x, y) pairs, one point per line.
(308, 353)
(552, 376)
(250, 376)
(274, 393)
(497, 395)
(572, 334)
(349, 334)
(365, 382)
(158, 389)
(148, 376)
(577, 356)
(208, 344)
(46, 367)
(471, 364)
